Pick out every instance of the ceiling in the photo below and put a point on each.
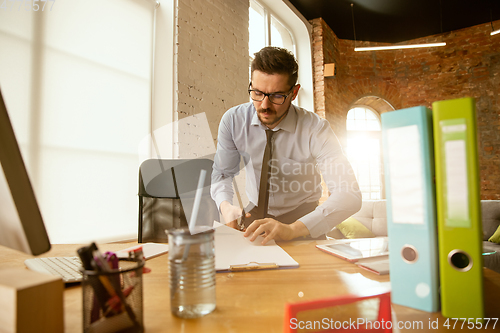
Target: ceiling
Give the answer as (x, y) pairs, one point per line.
(393, 21)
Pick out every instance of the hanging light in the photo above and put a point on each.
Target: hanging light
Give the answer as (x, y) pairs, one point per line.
(389, 47)
(398, 47)
(493, 31)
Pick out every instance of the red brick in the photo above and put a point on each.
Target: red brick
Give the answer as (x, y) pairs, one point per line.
(468, 66)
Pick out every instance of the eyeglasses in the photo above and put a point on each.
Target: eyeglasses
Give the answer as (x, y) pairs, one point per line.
(275, 98)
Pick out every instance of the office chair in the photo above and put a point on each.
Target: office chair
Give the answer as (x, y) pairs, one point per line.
(166, 196)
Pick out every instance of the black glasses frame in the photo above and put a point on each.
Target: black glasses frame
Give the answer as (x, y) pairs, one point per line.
(269, 95)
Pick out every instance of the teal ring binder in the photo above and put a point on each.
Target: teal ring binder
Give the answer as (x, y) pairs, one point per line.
(409, 254)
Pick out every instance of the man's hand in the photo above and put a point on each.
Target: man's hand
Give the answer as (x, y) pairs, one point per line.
(276, 230)
(230, 214)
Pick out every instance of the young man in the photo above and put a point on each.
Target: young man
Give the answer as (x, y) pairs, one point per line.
(289, 147)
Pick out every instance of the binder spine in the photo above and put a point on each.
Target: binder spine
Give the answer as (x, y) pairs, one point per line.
(458, 207)
(411, 220)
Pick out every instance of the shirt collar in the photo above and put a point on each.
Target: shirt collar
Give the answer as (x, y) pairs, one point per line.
(289, 123)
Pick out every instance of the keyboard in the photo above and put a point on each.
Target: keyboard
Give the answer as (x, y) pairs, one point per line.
(67, 268)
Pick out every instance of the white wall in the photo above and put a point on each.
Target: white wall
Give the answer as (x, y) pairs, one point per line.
(212, 65)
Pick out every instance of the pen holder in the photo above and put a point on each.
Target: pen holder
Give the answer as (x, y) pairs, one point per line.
(112, 301)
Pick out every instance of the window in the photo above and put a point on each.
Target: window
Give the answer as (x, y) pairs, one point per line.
(363, 150)
(277, 23)
(265, 29)
(256, 28)
(79, 96)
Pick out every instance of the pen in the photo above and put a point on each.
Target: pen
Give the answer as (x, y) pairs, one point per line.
(241, 220)
(100, 292)
(101, 262)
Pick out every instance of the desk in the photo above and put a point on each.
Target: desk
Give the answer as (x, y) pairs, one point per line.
(254, 301)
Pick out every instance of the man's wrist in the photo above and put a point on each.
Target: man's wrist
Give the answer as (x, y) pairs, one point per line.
(299, 229)
(223, 205)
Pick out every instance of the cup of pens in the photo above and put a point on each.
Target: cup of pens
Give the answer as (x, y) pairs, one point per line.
(112, 294)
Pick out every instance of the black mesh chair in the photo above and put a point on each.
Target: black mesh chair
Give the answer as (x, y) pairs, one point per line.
(167, 190)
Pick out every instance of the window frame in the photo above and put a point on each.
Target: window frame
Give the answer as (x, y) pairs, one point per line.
(300, 31)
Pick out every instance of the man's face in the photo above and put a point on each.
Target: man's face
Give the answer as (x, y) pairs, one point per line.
(271, 114)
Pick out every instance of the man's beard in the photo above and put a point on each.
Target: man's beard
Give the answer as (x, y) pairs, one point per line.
(271, 121)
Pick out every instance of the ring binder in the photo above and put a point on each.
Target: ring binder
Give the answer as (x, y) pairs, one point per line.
(458, 207)
(411, 213)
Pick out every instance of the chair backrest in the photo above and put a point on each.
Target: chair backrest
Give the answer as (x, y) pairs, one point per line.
(167, 190)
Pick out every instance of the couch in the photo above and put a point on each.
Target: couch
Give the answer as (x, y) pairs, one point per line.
(373, 216)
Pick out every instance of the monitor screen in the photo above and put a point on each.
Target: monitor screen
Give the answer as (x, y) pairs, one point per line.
(21, 224)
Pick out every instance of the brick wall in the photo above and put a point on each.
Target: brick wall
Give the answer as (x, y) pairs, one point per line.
(212, 61)
(468, 66)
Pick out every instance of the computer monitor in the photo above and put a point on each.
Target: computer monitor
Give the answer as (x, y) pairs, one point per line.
(21, 223)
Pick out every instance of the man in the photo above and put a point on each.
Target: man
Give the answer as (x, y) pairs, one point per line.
(289, 147)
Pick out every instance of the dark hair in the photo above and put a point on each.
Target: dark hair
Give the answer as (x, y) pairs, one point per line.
(276, 60)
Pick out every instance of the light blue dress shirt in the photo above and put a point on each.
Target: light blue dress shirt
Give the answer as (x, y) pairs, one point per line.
(303, 147)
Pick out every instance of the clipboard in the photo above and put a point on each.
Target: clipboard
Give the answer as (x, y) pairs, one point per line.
(235, 253)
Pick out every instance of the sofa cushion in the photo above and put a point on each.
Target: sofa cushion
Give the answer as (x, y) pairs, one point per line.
(496, 237)
(373, 216)
(379, 225)
(490, 210)
(352, 228)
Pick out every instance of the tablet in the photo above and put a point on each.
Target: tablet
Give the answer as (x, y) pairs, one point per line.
(355, 249)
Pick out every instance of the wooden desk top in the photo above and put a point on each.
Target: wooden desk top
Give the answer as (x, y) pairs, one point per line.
(254, 301)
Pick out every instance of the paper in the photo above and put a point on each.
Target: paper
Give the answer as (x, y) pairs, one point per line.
(406, 174)
(232, 249)
(149, 250)
(456, 181)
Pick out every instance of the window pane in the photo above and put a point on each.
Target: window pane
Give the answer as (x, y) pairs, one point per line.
(276, 39)
(363, 150)
(256, 28)
(364, 120)
(372, 125)
(350, 124)
(280, 36)
(370, 115)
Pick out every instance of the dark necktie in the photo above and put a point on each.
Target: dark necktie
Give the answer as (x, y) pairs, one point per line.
(264, 178)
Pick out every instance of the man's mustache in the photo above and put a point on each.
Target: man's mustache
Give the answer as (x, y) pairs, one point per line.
(266, 110)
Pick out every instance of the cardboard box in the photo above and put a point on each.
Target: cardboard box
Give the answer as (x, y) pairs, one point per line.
(30, 302)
